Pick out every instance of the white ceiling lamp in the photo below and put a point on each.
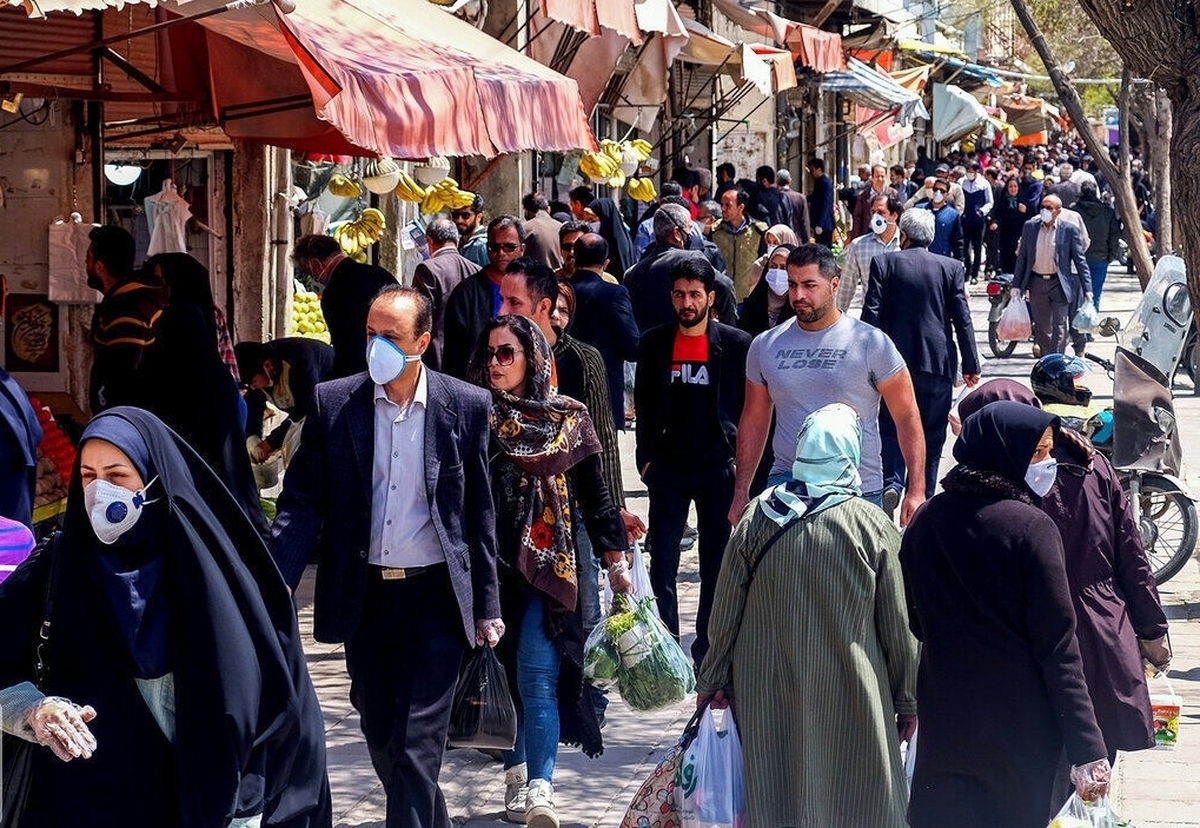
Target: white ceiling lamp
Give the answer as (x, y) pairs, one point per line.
(122, 174)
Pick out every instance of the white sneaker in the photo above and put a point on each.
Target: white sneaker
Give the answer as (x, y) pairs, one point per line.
(539, 806)
(516, 791)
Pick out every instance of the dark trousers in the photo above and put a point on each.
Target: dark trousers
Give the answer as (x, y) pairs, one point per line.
(934, 395)
(972, 249)
(403, 663)
(1051, 314)
(672, 491)
(991, 241)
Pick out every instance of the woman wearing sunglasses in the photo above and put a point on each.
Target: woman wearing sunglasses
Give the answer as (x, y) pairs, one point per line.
(545, 465)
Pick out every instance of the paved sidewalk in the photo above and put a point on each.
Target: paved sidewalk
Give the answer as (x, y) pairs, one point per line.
(1155, 789)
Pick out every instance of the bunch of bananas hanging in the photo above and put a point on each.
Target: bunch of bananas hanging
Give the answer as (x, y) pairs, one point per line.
(605, 165)
(409, 190)
(344, 186)
(641, 189)
(446, 195)
(357, 235)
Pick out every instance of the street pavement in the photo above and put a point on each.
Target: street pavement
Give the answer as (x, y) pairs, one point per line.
(1157, 788)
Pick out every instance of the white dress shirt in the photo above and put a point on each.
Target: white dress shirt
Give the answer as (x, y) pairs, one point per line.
(402, 530)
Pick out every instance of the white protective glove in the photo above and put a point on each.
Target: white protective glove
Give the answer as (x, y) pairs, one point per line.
(61, 725)
(1091, 780)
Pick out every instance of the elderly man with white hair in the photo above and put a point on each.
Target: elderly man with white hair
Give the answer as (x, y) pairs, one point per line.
(919, 300)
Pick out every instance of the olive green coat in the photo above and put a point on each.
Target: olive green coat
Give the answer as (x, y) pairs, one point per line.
(816, 650)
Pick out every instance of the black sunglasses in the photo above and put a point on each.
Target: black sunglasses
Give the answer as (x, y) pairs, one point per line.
(461, 214)
(507, 247)
(504, 355)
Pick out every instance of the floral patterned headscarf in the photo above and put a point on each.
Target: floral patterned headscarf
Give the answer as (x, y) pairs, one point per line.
(544, 434)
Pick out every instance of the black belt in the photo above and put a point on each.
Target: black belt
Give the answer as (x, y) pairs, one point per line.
(403, 573)
(1047, 275)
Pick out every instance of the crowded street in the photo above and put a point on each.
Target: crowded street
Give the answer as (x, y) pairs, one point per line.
(599, 414)
(1152, 789)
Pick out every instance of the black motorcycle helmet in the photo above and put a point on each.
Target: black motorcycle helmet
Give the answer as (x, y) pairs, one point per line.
(1054, 379)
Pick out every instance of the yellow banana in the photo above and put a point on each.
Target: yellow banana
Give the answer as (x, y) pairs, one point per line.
(340, 185)
(641, 147)
(617, 180)
(373, 218)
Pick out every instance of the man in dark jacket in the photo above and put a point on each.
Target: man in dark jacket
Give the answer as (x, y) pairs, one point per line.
(820, 203)
(770, 204)
(800, 222)
(285, 372)
(649, 281)
(604, 318)
(1104, 229)
(918, 299)
(437, 277)
(348, 290)
(477, 298)
(690, 386)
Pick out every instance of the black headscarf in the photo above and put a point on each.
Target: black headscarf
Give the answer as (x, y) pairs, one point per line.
(1001, 437)
(187, 283)
(249, 731)
(994, 391)
(620, 248)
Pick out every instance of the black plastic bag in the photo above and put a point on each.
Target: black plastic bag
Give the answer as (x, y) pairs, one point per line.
(482, 715)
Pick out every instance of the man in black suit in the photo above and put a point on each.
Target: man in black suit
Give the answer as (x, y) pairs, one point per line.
(437, 277)
(406, 576)
(917, 298)
(603, 318)
(348, 288)
(691, 384)
(477, 298)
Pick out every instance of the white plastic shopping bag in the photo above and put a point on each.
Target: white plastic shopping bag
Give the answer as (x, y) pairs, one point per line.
(709, 784)
(910, 760)
(1014, 323)
(640, 575)
(1079, 814)
(1087, 319)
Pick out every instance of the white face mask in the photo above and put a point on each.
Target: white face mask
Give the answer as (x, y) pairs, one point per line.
(878, 224)
(112, 509)
(1047, 216)
(970, 176)
(938, 197)
(777, 280)
(385, 360)
(1040, 476)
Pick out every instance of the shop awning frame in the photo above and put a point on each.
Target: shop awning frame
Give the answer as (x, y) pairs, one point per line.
(875, 90)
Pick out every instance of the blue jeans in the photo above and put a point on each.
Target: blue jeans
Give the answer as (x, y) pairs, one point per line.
(1098, 271)
(537, 682)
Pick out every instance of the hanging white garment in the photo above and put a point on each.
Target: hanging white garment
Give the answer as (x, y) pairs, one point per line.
(67, 268)
(314, 221)
(168, 214)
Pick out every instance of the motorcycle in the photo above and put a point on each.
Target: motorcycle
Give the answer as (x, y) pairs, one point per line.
(1138, 436)
(998, 293)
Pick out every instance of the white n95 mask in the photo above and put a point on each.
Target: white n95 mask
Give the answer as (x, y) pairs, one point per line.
(385, 360)
(878, 224)
(113, 510)
(777, 280)
(1040, 476)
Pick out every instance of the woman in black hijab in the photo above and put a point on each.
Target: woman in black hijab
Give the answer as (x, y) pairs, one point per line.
(171, 624)
(614, 231)
(1000, 688)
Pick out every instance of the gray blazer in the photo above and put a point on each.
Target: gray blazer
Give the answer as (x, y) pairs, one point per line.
(436, 278)
(1072, 268)
(325, 506)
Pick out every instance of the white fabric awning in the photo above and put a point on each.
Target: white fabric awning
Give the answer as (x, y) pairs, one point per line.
(875, 90)
(955, 113)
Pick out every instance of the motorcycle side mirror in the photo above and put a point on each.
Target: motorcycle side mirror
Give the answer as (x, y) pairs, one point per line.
(1165, 420)
(1109, 326)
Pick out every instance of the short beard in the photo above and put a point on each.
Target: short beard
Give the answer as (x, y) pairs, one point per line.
(700, 317)
(814, 315)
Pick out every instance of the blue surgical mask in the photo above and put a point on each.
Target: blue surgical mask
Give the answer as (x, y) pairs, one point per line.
(777, 280)
(385, 360)
(113, 510)
(1040, 476)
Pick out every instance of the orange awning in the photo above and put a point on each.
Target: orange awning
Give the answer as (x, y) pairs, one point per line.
(819, 50)
(592, 15)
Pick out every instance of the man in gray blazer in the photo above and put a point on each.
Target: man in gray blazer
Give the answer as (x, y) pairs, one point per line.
(1052, 273)
(390, 489)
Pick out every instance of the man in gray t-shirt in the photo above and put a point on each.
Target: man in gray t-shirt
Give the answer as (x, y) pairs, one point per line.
(823, 357)
(806, 370)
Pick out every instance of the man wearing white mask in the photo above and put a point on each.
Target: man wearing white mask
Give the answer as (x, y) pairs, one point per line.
(1052, 273)
(883, 238)
(919, 300)
(689, 391)
(406, 576)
